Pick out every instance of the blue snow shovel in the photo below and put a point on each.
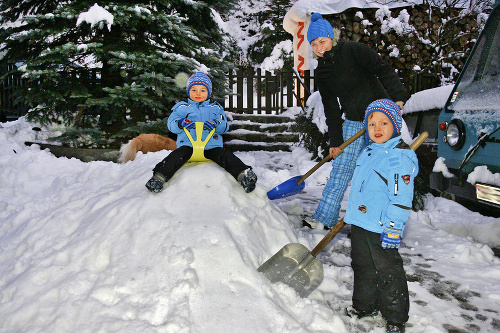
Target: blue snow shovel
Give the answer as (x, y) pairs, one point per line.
(296, 184)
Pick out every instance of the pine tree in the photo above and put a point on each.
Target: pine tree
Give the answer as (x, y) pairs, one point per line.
(272, 31)
(116, 72)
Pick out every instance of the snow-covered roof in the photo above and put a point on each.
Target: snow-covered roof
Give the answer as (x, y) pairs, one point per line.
(429, 99)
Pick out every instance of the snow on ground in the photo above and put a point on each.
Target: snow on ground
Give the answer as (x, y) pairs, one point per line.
(84, 247)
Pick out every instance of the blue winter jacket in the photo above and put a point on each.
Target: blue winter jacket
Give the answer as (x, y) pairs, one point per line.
(381, 191)
(198, 112)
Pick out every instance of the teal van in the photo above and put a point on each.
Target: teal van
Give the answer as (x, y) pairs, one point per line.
(468, 164)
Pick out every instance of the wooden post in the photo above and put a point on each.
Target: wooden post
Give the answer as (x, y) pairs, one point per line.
(289, 89)
(249, 77)
(231, 99)
(268, 92)
(239, 92)
(307, 83)
(259, 90)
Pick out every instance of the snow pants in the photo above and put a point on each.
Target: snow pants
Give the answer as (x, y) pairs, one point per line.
(379, 277)
(177, 158)
(342, 170)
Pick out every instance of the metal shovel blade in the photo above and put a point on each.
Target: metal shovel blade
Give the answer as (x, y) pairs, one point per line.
(287, 188)
(295, 266)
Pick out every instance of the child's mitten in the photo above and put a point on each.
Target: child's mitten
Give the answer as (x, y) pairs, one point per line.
(391, 238)
(209, 125)
(186, 123)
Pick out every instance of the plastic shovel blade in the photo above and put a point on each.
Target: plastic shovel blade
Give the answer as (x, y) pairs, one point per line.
(296, 267)
(287, 188)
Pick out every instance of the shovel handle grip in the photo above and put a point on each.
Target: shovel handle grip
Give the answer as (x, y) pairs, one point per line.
(340, 224)
(418, 141)
(327, 158)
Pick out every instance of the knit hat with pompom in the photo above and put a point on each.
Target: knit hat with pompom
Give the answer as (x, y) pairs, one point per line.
(319, 28)
(199, 78)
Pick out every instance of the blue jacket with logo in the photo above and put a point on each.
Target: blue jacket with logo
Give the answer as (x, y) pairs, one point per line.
(198, 112)
(381, 191)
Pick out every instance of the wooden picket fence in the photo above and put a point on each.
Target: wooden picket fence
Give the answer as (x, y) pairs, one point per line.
(253, 91)
(8, 86)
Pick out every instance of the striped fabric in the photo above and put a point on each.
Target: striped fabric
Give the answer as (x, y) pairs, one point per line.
(340, 176)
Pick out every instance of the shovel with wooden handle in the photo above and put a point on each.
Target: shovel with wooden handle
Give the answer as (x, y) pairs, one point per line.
(298, 267)
(296, 184)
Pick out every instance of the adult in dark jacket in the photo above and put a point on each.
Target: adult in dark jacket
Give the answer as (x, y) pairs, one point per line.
(349, 77)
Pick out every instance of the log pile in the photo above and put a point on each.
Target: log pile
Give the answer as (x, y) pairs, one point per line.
(435, 42)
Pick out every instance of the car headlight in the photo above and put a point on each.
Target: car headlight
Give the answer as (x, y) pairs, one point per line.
(455, 134)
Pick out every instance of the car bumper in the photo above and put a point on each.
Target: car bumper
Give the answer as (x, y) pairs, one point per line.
(484, 193)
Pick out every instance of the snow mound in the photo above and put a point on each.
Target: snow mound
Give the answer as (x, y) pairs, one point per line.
(86, 248)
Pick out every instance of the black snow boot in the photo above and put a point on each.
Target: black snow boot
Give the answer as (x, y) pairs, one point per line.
(155, 184)
(247, 178)
(394, 328)
(354, 313)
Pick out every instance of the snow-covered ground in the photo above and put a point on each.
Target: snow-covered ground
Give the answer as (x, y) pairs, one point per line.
(84, 247)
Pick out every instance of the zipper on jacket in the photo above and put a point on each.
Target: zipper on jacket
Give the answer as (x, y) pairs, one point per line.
(396, 176)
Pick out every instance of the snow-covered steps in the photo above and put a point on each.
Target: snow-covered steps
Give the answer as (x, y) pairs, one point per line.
(250, 132)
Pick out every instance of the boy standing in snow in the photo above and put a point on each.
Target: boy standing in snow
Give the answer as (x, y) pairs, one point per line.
(349, 76)
(184, 115)
(379, 205)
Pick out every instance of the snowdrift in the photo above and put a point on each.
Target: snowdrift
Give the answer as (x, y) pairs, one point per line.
(86, 248)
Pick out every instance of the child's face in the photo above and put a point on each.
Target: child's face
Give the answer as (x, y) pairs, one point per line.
(198, 93)
(380, 127)
(320, 45)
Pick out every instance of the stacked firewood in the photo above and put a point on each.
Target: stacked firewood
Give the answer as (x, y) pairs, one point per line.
(434, 41)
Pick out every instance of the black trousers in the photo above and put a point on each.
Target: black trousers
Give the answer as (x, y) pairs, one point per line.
(379, 277)
(177, 158)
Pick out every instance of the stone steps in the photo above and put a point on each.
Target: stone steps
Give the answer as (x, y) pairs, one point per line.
(248, 132)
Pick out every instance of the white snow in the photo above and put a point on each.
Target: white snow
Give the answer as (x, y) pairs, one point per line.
(481, 174)
(96, 15)
(84, 247)
(440, 166)
(428, 99)
(275, 61)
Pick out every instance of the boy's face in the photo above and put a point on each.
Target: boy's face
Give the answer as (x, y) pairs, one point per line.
(320, 45)
(380, 127)
(198, 93)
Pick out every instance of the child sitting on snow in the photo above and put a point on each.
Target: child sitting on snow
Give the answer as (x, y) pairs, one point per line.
(379, 205)
(184, 115)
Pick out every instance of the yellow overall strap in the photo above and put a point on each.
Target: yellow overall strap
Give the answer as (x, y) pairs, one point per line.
(198, 144)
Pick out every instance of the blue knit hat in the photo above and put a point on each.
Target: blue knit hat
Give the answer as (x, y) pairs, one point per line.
(319, 28)
(390, 109)
(199, 78)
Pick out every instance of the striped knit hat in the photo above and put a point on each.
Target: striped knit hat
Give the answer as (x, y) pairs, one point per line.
(390, 109)
(199, 78)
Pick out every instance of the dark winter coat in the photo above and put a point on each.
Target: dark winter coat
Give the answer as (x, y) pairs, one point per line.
(357, 76)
